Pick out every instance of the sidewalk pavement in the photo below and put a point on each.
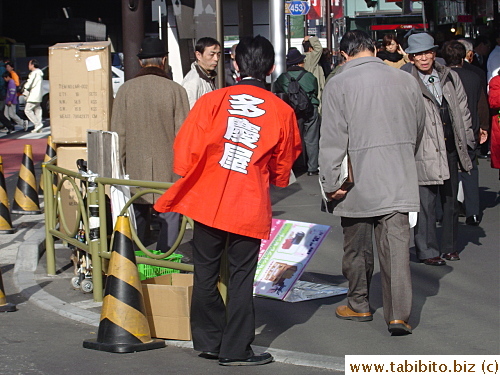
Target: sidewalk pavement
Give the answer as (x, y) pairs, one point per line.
(455, 307)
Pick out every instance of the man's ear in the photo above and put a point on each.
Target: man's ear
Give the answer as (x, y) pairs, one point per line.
(344, 55)
(198, 55)
(271, 71)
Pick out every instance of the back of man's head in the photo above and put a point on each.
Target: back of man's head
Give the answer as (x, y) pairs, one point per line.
(35, 63)
(453, 52)
(205, 42)
(356, 41)
(255, 57)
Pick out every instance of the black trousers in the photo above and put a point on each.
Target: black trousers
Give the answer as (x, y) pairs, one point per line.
(227, 330)
(470, 184)
(169, 226)
(426, 243)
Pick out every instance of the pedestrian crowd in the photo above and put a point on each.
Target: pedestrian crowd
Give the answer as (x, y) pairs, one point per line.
(10, 91)
(393, 134)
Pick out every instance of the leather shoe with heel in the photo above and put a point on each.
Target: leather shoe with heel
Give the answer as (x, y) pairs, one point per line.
(346, 313)
(436, 261)
(472, 220)
(399, 328)
(209, 355)
(451, 256)
(255, 360)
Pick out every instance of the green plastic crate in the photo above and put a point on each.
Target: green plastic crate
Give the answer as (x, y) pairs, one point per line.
(147, 271)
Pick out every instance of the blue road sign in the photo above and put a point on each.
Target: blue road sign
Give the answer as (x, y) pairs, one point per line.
(297, 8)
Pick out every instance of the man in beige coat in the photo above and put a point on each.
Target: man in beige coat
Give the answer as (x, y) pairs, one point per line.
(148, 111)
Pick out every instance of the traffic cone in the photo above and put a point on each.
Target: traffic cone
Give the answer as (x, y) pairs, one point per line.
(26, 196)
(50, 152)
(4, 305)
(5, 222)
(123, 327)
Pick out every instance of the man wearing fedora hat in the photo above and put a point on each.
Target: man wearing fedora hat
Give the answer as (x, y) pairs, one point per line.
(309, 123)
(442, 152)
(148, 111)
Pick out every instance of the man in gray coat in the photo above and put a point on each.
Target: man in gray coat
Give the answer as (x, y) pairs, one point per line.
(442, 152)
(381, 145)
(148, 111)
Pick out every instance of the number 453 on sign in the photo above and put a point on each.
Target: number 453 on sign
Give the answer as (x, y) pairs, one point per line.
(297, 8)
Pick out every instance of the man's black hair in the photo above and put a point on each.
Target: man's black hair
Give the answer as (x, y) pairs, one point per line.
(453, 52)
(10, 63)
(255, 57)
(35, 63)
(356, 41)
(205, 42)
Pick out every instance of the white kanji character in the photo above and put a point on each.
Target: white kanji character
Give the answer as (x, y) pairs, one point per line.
(235, 158)
(240, 130)
(246, 105)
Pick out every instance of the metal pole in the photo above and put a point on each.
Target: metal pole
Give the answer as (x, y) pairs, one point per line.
(133, 34)
(50, 219)
(277, 32)
(329, 25)
(220, 37)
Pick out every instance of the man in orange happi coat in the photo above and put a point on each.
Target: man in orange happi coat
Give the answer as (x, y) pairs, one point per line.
(234, 143)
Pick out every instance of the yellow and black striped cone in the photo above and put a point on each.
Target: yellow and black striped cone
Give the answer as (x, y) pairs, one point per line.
(123, 327)
(26, 196)
(4, 305)
(50, 152)
(5, 222)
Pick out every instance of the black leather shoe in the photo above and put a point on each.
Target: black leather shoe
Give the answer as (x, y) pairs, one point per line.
(451, 256)
(436, 261)
(472, 220)
(260, 359)
(313, 173)
(209, 355)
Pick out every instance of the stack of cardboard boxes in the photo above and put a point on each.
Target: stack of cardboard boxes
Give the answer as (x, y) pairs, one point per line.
(80, 98)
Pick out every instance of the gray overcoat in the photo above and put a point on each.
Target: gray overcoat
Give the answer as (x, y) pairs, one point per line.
(376, 114)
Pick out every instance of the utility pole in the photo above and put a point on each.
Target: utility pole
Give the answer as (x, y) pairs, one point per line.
(133, 34)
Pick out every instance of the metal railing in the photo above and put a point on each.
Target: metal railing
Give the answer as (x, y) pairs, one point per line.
(95, 228)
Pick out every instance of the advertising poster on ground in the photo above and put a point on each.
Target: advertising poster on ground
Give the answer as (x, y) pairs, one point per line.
(283, 258)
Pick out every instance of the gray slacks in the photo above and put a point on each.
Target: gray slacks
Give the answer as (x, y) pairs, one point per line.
(392, 237)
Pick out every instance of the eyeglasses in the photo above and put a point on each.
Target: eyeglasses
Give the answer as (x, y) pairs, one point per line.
(420, 55)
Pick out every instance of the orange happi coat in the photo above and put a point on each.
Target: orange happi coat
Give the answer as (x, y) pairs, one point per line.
(234, 143)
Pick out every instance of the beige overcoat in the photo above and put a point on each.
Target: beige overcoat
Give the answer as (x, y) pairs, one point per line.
(148, 111)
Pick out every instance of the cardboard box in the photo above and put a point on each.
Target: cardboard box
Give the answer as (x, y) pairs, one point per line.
(80, 90)
(167, 300)
(66, 158)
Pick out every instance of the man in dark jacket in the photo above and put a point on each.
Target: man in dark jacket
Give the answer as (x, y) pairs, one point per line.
(454, 54)
(448, 133)
(309, 123)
